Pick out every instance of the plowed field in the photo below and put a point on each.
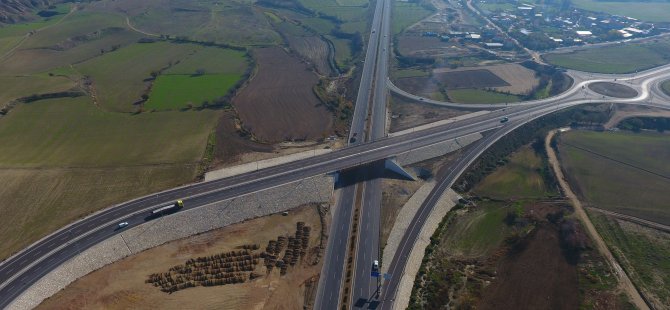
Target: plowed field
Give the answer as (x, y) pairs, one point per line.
(279, 104)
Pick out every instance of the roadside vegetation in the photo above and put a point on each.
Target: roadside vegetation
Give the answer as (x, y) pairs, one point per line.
(615, 58)
(406, 14)
(619, 171)
(643, 252)
(480, 96)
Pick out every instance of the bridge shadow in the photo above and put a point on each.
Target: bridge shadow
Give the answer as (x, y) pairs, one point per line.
(367, 172)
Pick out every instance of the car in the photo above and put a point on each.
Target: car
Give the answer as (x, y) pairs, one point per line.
(375, 265)
(123, 224)
(504, 120)
(421, 99)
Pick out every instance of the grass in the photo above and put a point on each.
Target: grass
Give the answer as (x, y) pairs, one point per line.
(480, 96)
(614, 59)
(520, 177)
(611, 185)
(20, 29)
(342, 51)
(641, 250)
(22, 86)
(118, 76)
(493, 7)
(400, 73)
(406, 14)
(212, 60)
(666, 87)
(478, 232)
(64, 158)
(74, 133)
(78, 24)
(652, 11)
(171, 92)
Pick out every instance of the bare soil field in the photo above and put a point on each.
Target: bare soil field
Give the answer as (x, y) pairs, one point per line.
(122, 285)
(279, 104)
(420, 46)
(521, 80)
(313, 49)
(406, 114)
(523, 282)
(613, 90)
(423, 86)
(234, 141)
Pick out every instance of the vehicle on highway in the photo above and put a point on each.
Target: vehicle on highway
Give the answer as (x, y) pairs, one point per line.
(421, 99)
(353, 138)
(375, 265)
(504, 120)
(167, 209)
(123, 224)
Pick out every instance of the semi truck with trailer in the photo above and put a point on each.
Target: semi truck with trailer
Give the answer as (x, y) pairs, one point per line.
(166, 209)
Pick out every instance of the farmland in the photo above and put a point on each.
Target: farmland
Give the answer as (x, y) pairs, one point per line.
(520, 177)
(122, 284)
(517, 79)
(279, 104)
(406, 14)
(64, 158)
(470, 79)
(642, 251)
(480, 96)
(172, 92)
(520, 252)
(653, 11)
(610, 171)
(12, 88)
(614, 59)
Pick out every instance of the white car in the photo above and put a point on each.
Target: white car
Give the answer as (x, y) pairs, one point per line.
(123, 224)
(375, 265)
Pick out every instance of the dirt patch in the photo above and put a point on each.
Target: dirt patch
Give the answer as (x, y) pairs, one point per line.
(232, 141)
(422, 86)
(613, 90)
(314, 49)
(521, 80)
(407, 114)
(279, 103)
(122, 285)
(525, 283)
(425, 47)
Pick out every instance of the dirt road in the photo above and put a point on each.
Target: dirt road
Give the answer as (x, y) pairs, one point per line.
(624, 282)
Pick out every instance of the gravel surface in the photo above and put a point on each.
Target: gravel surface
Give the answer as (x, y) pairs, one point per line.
(436, 150)
(446, 202)
(239, 169)
(176, 226)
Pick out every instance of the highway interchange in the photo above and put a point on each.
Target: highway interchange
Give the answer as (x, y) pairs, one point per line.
(18, 272)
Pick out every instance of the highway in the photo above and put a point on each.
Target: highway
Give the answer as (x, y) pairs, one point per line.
(330, 284)
(24, 268)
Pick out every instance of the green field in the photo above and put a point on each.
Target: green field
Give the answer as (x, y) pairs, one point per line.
(480, 96)
(610, 184)
(652, 11)
(406, 14)
(118, 76)
(212, 60)
(20, 29)
(61, 159)
(614, 59)
(15, 87)
(172, 92)
(520, 177)
(404, 73)
(493, 7)
(666, 87)
(478, 232)
(643, 252)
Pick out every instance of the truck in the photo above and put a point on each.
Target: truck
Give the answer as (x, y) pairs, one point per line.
(167, 209)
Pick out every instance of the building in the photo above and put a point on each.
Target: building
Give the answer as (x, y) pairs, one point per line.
(493, 45)
(583, 33)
